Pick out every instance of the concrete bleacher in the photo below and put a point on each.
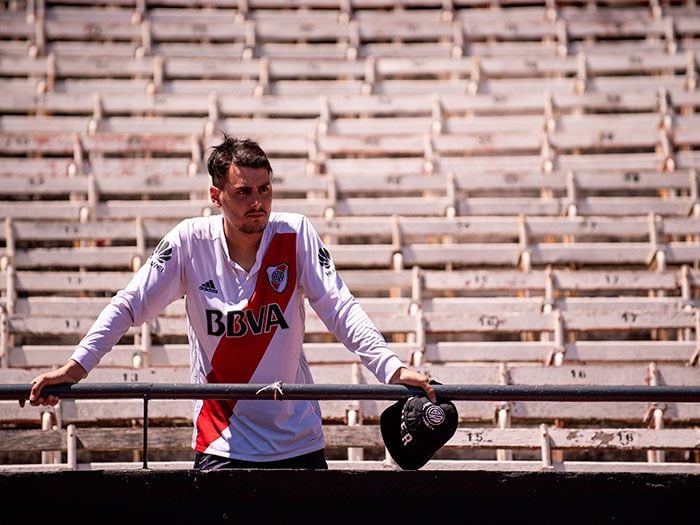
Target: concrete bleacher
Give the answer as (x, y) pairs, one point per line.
(510, 189)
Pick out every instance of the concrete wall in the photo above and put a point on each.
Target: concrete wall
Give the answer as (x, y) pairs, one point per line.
(345, 496)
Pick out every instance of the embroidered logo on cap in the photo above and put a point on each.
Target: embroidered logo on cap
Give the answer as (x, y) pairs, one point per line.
(433, 415)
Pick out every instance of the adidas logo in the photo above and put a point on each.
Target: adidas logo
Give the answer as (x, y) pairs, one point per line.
(208, 287)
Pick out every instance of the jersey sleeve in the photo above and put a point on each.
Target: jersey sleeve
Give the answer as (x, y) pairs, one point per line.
(339, 310)
(156, 284)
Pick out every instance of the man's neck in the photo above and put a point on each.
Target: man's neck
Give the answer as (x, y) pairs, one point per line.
(242, 247)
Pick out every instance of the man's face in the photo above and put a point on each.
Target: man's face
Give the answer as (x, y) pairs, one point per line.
(245, 200)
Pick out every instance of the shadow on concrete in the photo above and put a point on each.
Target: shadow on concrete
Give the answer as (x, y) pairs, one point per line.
(187, 496)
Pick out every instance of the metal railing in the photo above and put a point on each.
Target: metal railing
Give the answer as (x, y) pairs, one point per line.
(281, 391)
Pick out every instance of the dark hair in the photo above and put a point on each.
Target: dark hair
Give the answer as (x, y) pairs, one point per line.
(245, 153)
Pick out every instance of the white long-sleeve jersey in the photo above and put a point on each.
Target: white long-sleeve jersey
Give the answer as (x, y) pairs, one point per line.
(245, 327)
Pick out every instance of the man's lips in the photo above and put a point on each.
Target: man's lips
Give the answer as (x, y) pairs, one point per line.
(255, 214)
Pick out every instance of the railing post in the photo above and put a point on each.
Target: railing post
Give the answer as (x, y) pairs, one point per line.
(71, 447)
(546, 448)
(47, 456)
(145, 432)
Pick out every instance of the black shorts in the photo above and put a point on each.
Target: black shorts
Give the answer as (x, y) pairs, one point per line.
(313, 460)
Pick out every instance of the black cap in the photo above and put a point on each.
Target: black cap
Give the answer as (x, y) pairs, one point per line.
(414, 429)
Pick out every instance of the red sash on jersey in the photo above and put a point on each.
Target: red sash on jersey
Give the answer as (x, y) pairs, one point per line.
(236, 358)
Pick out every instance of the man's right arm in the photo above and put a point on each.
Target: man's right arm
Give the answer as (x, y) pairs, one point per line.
(71, 372)
(152, 288)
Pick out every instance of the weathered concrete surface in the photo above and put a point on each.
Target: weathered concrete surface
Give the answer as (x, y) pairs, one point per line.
(187, 496)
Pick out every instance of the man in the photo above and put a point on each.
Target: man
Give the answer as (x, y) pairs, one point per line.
(244, 274)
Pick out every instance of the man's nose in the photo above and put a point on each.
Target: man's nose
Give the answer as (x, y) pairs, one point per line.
(255, 199)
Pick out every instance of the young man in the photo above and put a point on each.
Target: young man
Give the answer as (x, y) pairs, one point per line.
(244, 275)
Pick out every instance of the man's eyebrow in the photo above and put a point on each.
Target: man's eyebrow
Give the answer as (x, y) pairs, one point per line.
(245, 186)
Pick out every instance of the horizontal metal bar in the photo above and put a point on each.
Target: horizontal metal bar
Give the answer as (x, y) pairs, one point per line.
(331, 391)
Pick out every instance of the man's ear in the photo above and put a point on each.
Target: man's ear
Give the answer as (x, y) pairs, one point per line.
(214, 194)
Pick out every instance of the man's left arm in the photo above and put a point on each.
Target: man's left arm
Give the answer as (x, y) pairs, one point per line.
(345, 318)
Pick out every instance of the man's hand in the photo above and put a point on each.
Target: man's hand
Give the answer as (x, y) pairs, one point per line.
(69, 373)
(408, 377)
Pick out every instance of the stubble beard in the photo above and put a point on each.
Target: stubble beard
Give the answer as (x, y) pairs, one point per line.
(252, 228)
